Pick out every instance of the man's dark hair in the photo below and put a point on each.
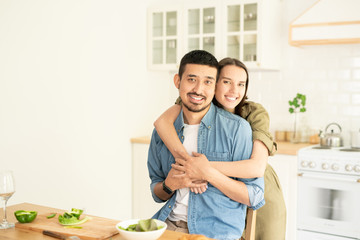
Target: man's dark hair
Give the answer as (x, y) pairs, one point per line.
(198, 57)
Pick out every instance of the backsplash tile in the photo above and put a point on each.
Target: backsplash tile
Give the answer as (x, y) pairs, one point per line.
(329, 77)
(356, 74)
(355, 99)
(351, 86)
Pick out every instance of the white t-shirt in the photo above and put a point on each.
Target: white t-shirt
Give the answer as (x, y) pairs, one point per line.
(180, 209)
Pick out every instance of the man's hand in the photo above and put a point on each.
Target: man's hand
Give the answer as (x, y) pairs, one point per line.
(189, 166)
(177, 179)
(196, 167)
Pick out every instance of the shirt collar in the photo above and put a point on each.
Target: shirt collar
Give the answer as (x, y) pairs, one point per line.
(207, 120)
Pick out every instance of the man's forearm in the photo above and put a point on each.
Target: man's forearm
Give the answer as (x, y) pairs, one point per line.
(160, 193)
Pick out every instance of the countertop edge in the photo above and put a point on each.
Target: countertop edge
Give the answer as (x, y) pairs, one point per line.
(286, 148)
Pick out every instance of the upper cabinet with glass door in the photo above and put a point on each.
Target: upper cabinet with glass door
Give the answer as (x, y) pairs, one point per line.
(252, 32)
(249, 30)
(163, 37)
(201, 19)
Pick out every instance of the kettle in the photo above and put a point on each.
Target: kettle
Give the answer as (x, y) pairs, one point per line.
(331, 139)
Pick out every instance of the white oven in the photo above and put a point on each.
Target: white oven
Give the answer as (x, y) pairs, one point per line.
(328, 194)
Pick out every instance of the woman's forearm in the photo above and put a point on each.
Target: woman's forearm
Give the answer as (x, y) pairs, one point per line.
(250, 168)
(164, 126)
(233, 189)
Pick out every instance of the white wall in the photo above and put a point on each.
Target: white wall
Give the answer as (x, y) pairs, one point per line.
(74, 88)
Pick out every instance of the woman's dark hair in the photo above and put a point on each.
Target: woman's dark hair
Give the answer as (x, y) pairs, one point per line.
(234, 62)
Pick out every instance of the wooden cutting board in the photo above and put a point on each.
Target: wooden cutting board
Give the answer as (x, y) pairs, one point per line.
(96, 228)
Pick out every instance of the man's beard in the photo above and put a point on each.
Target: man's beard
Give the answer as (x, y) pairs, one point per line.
(194, 109)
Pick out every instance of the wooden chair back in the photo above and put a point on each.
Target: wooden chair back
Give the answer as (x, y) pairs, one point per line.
(250, 224)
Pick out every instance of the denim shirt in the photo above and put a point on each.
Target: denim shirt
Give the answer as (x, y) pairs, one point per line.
(222, 136)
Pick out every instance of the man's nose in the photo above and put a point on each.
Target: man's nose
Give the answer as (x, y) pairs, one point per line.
(198, 87)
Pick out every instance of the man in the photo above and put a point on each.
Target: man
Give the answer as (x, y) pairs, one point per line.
(220, 211)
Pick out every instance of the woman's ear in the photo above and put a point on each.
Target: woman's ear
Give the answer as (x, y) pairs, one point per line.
(177, 81)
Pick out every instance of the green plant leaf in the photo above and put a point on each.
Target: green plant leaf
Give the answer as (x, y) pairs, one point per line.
(298, 103)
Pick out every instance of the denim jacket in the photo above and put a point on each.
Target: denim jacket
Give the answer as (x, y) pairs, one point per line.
(222, 136)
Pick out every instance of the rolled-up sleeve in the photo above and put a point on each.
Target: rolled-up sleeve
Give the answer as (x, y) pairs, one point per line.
(255, 187)
(243, 149)
(154, 166)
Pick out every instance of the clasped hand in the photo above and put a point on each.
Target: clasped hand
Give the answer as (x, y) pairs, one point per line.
(195, 168)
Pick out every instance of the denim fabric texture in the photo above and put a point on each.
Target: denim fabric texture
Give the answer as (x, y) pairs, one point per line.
(222, 136)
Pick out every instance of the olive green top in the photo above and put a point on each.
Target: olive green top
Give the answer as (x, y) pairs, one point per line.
(259, 121)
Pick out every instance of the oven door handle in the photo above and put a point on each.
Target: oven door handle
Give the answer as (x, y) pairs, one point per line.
(327, 177)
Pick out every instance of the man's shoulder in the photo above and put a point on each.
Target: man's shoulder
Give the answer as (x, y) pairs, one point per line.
(230, 117)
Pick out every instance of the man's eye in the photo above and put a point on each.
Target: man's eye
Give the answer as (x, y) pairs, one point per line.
(208, 82)
(242, 84)
(226, 82)
(191, 79)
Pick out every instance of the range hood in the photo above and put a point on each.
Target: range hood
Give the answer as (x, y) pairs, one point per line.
(327, 22)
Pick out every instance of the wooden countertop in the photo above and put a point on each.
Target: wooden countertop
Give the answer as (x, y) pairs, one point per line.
(287, 148)
(144, 140)
(23, 234)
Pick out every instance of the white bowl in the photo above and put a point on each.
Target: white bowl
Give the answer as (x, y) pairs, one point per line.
(150, 235)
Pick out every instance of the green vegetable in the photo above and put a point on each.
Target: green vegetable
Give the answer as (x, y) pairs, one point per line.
(143, 226)
(25, 216)
(51, 215)
(78, 227)
(72, 217)
(76, 212)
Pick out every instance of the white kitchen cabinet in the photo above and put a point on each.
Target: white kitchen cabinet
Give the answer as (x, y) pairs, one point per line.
(202, 20)
(286, 168)
(251, 32)
(248, 30)
(163, 36)
(143, 205)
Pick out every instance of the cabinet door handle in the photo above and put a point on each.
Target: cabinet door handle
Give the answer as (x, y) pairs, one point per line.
(327, 177)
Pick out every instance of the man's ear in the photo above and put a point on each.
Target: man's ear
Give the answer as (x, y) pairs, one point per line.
(177, 81)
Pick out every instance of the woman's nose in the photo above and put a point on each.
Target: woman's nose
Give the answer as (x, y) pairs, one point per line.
(233, 88)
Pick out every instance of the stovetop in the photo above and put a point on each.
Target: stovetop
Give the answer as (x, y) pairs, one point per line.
(343, 149)
(341, 160)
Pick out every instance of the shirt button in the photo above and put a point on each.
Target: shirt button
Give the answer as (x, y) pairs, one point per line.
(209, 127)
(182, 137)
(169, 206)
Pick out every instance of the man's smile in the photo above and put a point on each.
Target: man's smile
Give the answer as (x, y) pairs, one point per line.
(196, 98)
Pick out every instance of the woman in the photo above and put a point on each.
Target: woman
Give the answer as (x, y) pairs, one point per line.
(230, 94)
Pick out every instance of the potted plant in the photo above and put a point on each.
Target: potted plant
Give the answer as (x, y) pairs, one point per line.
(297, 105)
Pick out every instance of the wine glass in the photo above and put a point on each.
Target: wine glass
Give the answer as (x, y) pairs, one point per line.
(7, 189)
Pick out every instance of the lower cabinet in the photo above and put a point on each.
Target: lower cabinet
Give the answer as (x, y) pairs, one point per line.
(143, 205)
(285, 167)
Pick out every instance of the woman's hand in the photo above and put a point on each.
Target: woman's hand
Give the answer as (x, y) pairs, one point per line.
(199, 190)
(195, 168)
